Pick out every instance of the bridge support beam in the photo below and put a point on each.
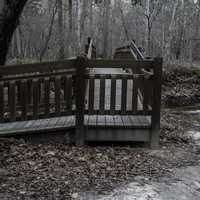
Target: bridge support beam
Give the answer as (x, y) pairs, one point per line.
(80, 88)
(156, 107)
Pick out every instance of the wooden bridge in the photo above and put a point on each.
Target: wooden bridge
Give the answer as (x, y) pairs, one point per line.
(95, 99)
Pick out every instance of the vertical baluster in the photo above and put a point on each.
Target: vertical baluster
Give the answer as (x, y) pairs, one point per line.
(47, 96)
(68, 93)
(12, 100)
(145, 95)
(91, 95)
(24, 99)
(57, 95)
(35, 98)
(135, 95)
(1, 101)
(102, 95)
(124, 95)
(113, 94)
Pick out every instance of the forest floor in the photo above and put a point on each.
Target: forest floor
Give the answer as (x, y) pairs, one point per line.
(60, 171)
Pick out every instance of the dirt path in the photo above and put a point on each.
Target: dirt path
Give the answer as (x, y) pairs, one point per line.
(184, 185)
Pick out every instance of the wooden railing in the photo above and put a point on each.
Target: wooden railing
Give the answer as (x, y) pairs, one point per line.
(149, 90)
(33, 91)
(50, 89)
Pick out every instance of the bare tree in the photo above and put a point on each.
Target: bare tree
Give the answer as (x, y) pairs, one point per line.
(106, 27)
(170, 32)
(61, 30)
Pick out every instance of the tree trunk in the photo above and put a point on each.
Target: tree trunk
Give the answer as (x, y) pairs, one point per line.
(170, 34)
(10, 12)
(61, 30)
(106, 28)
(91, 31)
(83, 15)
(148, 28)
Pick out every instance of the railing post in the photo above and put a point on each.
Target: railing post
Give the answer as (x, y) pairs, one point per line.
(80, 99)
(156, 104)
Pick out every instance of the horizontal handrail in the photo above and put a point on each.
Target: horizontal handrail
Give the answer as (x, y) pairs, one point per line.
(146, 64)
(43, 75)
(118, 76)
(36, 67)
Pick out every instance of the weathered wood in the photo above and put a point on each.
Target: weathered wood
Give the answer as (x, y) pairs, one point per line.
(24, 99)
(118, 112)
(146, 95)
(57, 95)
(113, 95)
(120, 134)
(91, 95)
(104, 116)
(102, 95)
(155, 129)
(124, 96)
(47, 96)
(134, 95)
(12, 100)
(38, 75)
(36, 67)
(68, 92)
(1, 101)
(35, 99)
(80, 99)
(146, 64)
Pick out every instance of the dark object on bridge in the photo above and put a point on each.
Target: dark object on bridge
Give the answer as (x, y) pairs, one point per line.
(90, 47)
(119, 106)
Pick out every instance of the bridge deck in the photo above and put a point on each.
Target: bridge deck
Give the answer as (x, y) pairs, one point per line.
(64, 123)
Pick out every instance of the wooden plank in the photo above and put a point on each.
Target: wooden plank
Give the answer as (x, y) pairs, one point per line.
(68, 93)
(113, 95)
(36, 67)
(118, 120)
(101, 120)
(80, 89)
(102, 95)
(29, 124)
(24, 99)
(73, 121)
(12, 100)
(92, 120)
(146, 64)
(86, 119)
(35, 98)
(91, 95)
(146, 94)
(124, 96)
(1, 101)
(57, 95)
(122, 74)
(135, 95)
(108, 134)
(126, 121)
(47, 96)
(109, 120)
(156, 106)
